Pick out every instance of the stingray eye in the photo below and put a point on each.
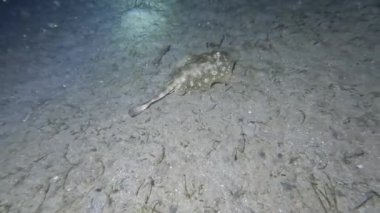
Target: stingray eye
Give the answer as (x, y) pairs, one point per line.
(217, 55)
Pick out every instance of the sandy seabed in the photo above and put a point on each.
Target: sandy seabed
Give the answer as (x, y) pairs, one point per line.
(296, 130)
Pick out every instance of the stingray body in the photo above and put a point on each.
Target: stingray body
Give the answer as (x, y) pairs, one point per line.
(196, 72)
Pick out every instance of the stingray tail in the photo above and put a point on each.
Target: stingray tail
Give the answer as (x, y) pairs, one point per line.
(134, 111)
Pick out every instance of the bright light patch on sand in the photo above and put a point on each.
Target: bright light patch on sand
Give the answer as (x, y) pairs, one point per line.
(142, 22)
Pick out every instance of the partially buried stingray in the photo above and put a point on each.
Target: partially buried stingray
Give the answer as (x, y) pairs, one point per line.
(196, 72)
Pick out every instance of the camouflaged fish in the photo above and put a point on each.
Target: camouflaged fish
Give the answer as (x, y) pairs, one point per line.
(196, 72)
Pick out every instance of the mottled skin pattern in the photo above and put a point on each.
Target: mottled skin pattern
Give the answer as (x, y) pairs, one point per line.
(197, 72)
